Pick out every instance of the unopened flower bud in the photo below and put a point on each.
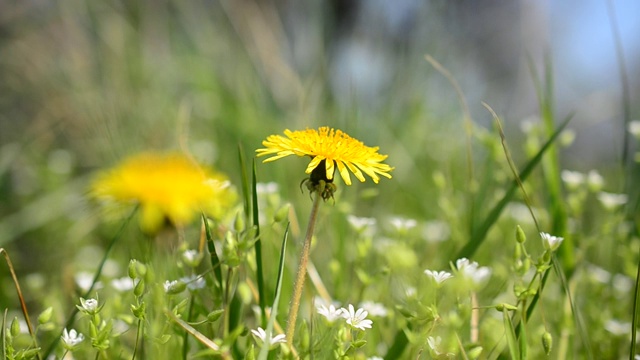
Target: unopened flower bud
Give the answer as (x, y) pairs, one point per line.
(15, 327)
(45, 316)
(547, 342)
(520, 236)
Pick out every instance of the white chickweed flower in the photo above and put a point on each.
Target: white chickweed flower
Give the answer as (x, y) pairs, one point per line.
(84, 281)
(595, 180)
(439, 276)
(471, 270)
(89, 306)
(434, 345)
(267, 188)
(374, 309)
(330, 313)
(612, 201)
(573, 179)
(192, 257)
(357, 319)
(194, 282)
(402, 224)
(71, 338)
(360, 223)
(261, 337)
(617, 328)
(634, 128)
(550, 242)
(174, 286)
(436, 231)
(123, 284)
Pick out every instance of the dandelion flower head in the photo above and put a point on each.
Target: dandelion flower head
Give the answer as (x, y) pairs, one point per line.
(166, 186)
(329, 148)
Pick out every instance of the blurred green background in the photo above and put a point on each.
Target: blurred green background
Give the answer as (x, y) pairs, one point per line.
(86, 83)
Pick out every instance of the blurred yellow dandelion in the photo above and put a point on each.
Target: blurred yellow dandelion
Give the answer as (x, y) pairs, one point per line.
(328, 148)
(166, 186)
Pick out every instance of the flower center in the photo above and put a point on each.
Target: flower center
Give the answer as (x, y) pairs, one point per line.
(320, 173)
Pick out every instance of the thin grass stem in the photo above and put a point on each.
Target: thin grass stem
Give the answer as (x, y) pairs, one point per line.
(107, 252)
(302, 269)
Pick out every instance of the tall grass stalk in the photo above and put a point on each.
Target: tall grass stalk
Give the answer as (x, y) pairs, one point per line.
(302, 268)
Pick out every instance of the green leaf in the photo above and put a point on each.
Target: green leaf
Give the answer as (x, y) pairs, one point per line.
(258, 249)
(215, 260)
(512, 341)
(480, 233)
(264, 351)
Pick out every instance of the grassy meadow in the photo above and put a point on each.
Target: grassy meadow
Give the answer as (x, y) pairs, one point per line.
(485, 243)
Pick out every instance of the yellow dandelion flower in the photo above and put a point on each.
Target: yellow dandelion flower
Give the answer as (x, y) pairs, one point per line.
(328, 148)
(166, 186)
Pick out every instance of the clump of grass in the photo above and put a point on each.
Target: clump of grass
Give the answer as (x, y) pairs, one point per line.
(458, 255)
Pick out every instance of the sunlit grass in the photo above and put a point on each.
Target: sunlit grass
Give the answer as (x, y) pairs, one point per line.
(115, 81)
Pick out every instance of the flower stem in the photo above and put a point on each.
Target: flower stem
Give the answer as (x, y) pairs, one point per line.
(302, 269)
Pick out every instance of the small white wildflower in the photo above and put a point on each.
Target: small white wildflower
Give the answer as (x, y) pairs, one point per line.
(551, 242)
(611, 201)
(71, 338)
(174, 286)
(527, 125)
(572, 179)
(439, 276)
(84, 280)
(192, 257)
(123, 284)
(330, 313)
(194, 282)
(434, 345)
(436, 231)
(262, 338)
(402, 224)
(374, 308)
(471, 270)
(634, 128)
(519, 212)
(375, 358)
(120, 327)
(361, 224)
(622, 283)
(267, 188)
(595, 180)
(357, 319)
(89, 306)
(617, 328)
(599, 274)
(411, 291)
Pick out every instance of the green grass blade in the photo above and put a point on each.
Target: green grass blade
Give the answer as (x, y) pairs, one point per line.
(636, 313)
(245, 182)
(551, 171)
(522, 341)
(480, 232)
(258, 248)
(510, 333)
(75, 310)
(215, 260)
(400, 341)
(264, 351)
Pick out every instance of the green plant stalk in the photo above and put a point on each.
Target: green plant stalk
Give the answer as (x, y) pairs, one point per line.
(185, 340)
(107, 252)
(264, 351)
(23, 305)
(302, 269)
(262, 299)
(138, 333)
